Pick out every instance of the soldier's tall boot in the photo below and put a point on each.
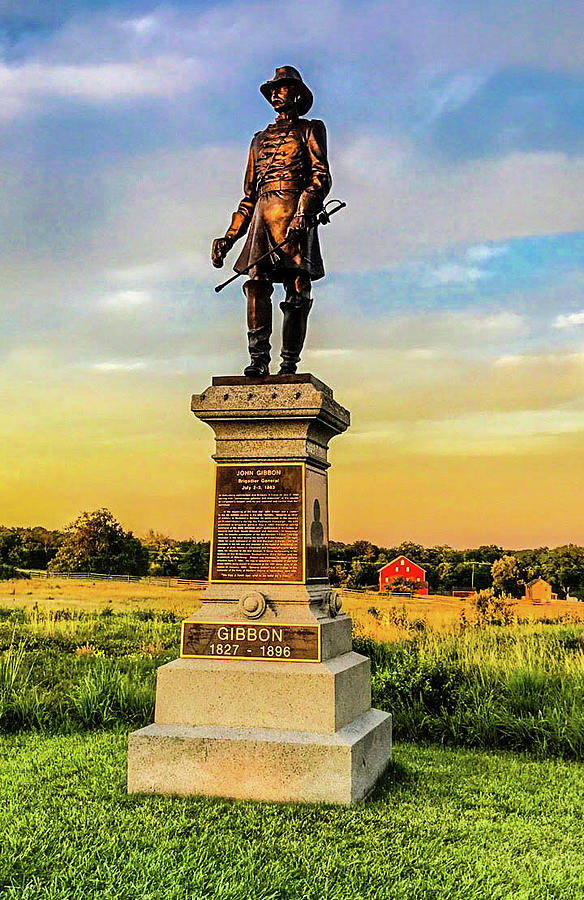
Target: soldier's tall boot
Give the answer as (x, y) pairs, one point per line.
(259, 326)
(296, 308)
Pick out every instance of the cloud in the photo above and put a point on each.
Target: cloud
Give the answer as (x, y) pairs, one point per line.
(515, 108)
(451, 273)
(525, 436)
(485, 252)
(33, 83)
(485, 433)
(456, 93)
(424, 353)
(401, 205)
(569, 320)
(419, 364)
(440, 55)
(123, 144)
(124, 300)
(512, 360)
(143, 24)
(178, 266)
(505, 322)
(326, 352)
(117, 366)
(548, 360)
(447, 378)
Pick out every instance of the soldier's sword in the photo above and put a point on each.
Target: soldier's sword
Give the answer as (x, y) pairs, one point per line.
(323, 218)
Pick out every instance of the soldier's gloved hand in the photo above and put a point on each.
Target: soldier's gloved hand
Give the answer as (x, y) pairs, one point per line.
(297, 226)
(220, 249)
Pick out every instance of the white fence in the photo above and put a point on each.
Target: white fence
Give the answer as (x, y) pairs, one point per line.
(100, 576)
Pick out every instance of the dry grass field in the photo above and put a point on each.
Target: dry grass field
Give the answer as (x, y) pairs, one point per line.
(394, 616)
(94, 596)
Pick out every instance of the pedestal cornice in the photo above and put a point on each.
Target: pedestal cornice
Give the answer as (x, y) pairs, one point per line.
(281, 417)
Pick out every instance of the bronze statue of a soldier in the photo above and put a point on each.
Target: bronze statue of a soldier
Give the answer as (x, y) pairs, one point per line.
(286, 181)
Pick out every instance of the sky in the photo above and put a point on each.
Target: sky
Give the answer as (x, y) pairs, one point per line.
(451, 319)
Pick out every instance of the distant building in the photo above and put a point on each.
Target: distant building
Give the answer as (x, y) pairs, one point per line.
(402, 567)
(539, 591)
(465, 592)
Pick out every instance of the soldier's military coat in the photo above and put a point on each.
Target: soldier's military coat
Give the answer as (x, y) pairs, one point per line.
(287, 174)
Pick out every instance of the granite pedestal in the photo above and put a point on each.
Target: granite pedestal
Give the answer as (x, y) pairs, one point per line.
(268, 701)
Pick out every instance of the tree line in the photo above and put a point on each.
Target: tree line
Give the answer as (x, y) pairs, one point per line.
(506, 571)
(97, 542)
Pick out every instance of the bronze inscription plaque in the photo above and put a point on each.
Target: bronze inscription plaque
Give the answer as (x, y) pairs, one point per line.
(258, 526)
(240, 640)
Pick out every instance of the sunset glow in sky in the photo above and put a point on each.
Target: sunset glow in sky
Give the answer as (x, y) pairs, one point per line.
(451, 320)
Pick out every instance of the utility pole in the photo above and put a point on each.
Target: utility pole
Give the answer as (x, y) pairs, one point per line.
(473, 563)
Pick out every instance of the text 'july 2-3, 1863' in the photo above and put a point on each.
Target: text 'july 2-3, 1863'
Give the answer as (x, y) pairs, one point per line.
(258, 527)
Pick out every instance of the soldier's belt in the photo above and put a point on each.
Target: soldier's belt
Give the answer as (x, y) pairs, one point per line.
(282, 184)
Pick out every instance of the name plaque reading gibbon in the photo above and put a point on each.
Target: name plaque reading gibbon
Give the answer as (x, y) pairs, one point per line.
(258, 525)
(241, 640)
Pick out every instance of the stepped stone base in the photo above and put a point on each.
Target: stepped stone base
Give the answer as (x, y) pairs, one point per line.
(261, 763)
(240, 694)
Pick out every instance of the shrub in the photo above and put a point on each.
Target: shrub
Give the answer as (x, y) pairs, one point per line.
(492, 609)
(10, 573)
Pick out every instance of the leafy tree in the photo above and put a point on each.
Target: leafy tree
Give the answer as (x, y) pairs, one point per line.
(564, 568)
(412, 551)
(96, 542)
(487, 553)
(337, 575)
(446, 576)
(194, 560)
(365, 549)
(39, 546)
(363, 573)
(506, 577)
(532, 563)
(152, 539)
(339, 552)
(29, 548)
(163, 553)
(10, 547)
(382, 559)
(165, 560)
(10, 573)
(471, 573)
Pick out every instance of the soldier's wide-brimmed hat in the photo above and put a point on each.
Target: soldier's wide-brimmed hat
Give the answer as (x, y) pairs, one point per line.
(290, 75)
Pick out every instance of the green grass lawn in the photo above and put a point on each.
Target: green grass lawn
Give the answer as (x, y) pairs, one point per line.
(445, 823)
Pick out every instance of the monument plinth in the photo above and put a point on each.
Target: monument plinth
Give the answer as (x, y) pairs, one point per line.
(267, 701)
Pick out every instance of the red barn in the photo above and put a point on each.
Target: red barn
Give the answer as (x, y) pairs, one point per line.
(402, 567)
